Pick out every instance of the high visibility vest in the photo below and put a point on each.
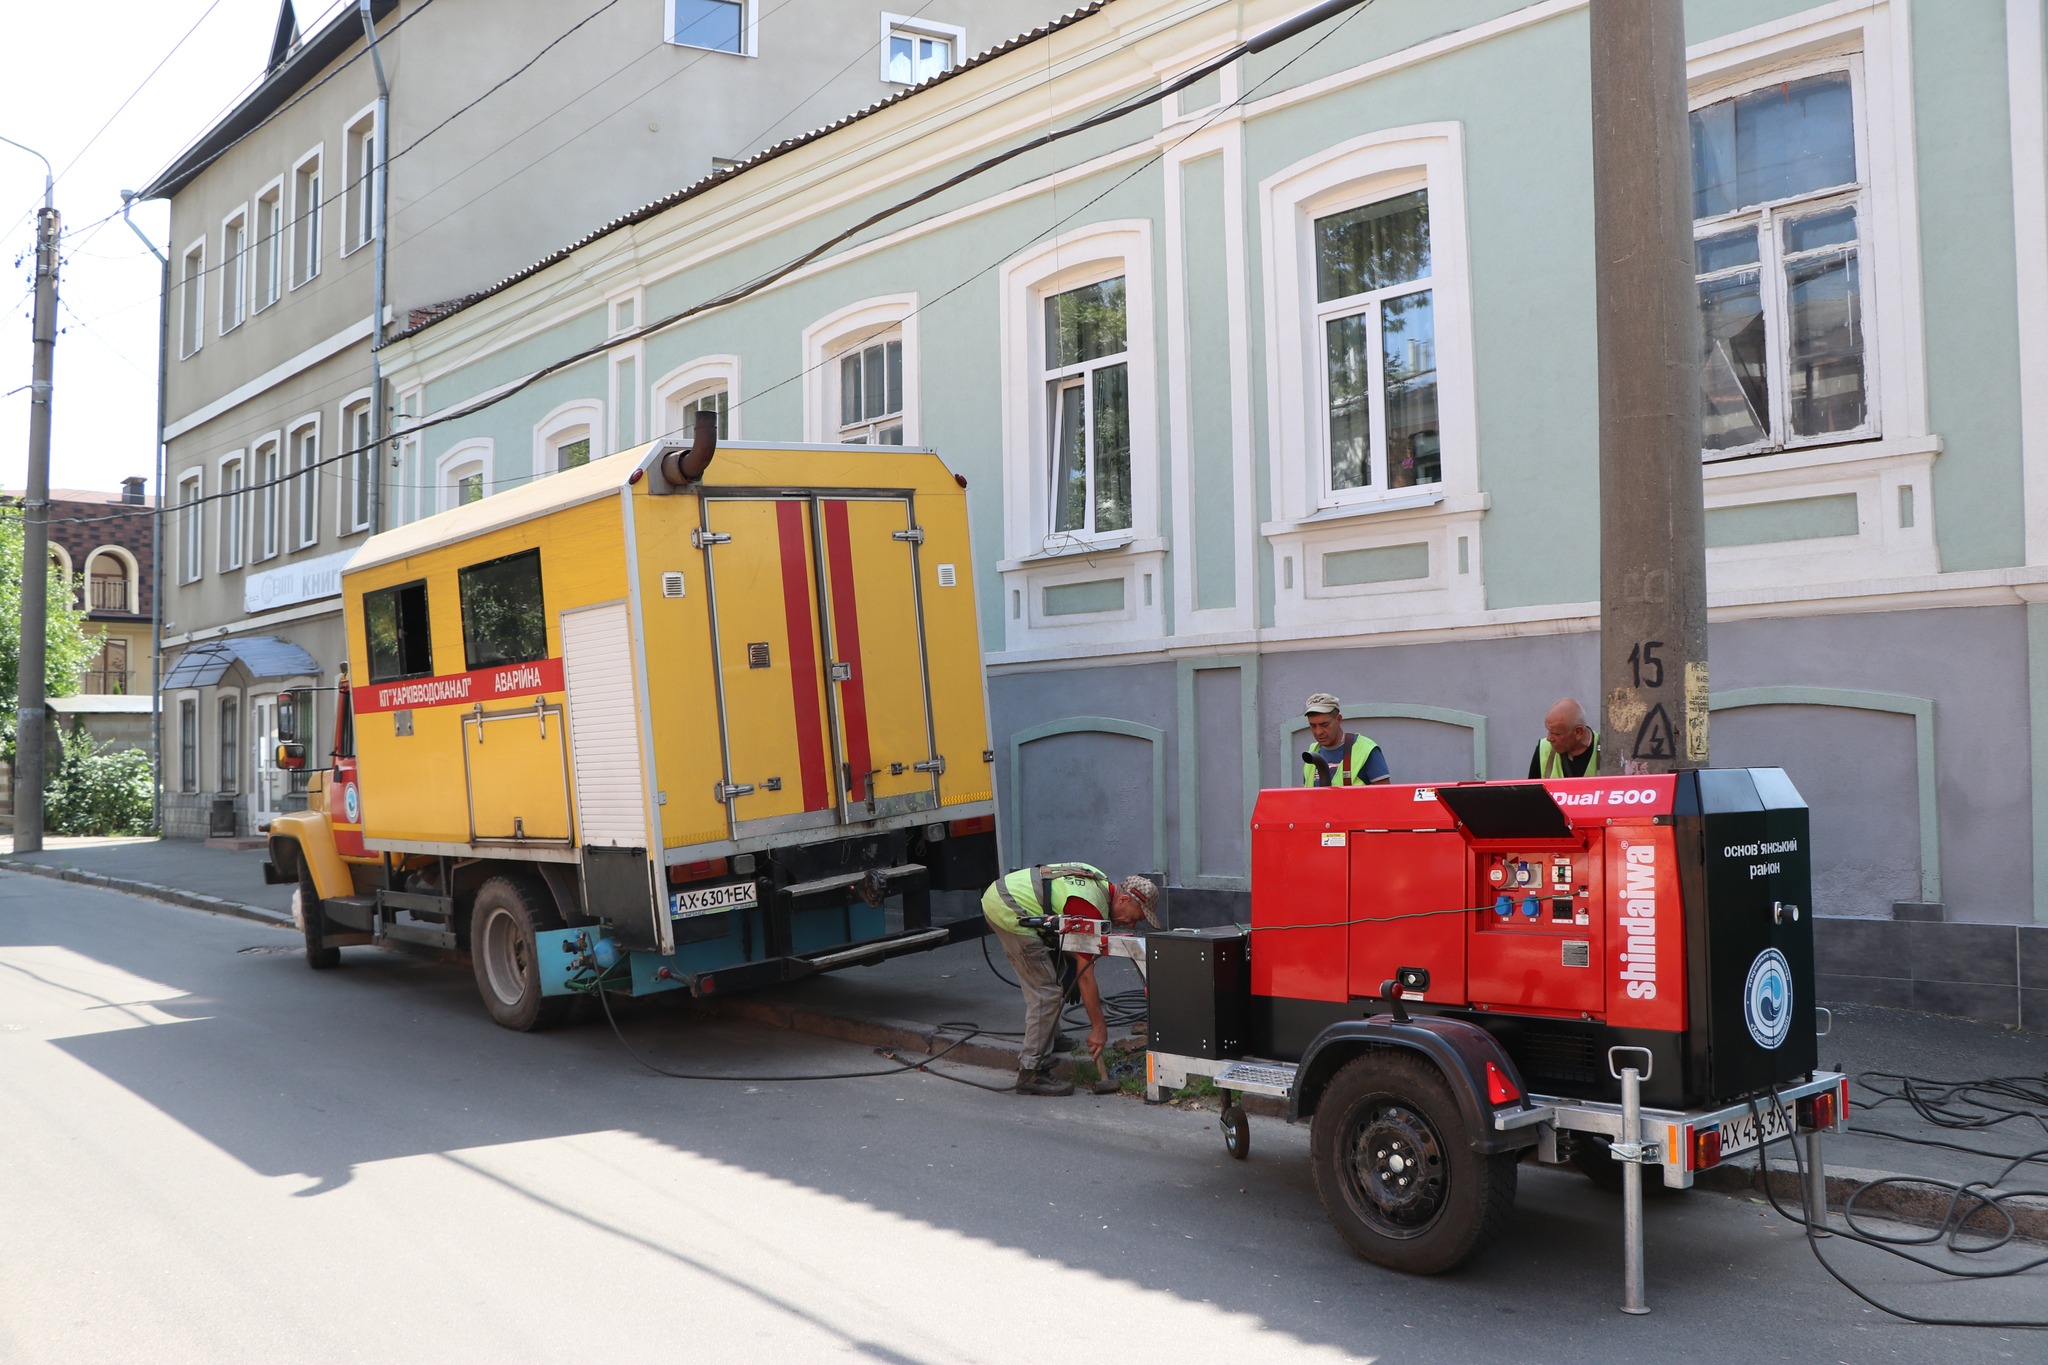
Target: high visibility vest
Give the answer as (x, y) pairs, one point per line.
(1042, 891)
(1550, 763)
(1349, 773)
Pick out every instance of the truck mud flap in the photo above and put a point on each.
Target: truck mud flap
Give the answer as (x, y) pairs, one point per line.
(752, 975)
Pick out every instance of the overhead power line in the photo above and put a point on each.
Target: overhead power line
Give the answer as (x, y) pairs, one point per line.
(1271, 37)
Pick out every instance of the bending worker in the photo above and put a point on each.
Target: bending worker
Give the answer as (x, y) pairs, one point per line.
(1569, 747)
(1339, 759)
(1075, 889)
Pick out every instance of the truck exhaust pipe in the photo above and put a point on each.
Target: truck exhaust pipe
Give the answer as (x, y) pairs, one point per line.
(682, 468)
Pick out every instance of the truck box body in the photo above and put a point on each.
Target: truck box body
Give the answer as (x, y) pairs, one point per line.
(602, 670)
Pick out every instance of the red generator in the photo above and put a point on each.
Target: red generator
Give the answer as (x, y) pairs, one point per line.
(1612, 972)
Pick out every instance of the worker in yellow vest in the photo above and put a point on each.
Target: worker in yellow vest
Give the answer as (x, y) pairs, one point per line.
(1339, 759)
(1072, 889)
(1569, 747)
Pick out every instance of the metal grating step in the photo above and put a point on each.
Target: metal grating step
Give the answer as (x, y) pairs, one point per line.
(1257, 1078)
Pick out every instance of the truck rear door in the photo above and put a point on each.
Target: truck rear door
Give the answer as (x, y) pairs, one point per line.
(817, 629)
(877, 664)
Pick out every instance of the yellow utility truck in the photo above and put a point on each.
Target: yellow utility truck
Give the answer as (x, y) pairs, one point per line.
(660, 722)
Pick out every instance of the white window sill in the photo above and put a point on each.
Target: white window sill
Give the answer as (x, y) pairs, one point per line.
(1436, 499)
(1085, 549)
(1823, 456)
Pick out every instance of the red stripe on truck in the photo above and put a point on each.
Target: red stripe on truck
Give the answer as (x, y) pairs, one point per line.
(803, 656)
(853, 697)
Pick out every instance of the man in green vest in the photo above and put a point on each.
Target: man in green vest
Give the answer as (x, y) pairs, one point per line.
(1340, 759)
(1073, 889)
(1569, 747)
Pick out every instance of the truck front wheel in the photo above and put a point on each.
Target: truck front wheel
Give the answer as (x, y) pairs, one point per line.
(507, 915)
(1396, 1172)
(313, 922)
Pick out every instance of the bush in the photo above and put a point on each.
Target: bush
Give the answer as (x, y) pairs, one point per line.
(95, 791)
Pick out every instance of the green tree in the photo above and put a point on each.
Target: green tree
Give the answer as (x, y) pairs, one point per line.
(68, 650)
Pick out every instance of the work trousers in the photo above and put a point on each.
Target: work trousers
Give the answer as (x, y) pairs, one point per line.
(1038, 975)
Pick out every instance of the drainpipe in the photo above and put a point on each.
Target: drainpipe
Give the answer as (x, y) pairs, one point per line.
(156, 523)
(381, 194)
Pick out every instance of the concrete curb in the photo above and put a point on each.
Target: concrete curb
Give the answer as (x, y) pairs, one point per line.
(191, 900)
(1914, 1201)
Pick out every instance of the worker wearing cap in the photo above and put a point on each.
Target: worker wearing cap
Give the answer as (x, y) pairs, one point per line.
(1340, 759)
(1072, 889)
(1569, 747)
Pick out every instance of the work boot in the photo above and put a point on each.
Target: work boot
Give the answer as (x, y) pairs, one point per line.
(1042, 1082)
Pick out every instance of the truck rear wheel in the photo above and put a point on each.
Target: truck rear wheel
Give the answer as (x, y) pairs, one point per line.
(1395, 1169)
(313, 922)
(507, 915)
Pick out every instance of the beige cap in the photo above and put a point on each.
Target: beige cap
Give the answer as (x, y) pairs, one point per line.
(1322, 702)
(1146, 893)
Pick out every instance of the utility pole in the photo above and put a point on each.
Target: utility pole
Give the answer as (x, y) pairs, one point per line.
(35, 522)
(1653, 575)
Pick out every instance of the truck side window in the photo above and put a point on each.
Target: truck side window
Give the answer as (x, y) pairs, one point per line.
(395, 620)
(503, 618)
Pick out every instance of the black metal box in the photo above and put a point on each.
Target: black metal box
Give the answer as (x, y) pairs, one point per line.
(1198, 991)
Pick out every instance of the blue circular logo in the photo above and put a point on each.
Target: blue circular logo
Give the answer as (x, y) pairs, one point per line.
(1767, 998)
(352, 804)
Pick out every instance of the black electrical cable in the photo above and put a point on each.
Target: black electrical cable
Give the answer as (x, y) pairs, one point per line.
(1967, 1201)
(968, 1032)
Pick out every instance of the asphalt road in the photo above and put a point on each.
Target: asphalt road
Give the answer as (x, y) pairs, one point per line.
(209, 1153)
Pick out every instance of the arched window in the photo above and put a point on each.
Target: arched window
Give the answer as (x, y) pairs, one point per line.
(707, 384)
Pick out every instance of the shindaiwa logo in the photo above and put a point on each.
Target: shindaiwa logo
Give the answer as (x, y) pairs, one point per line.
(1639, 922)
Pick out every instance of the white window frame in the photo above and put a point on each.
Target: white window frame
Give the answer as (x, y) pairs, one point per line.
(406, 409)
(689, 382)
(130, 572)
(234, 269)
(1360, 171)
(227, 748)
(305, 256)
(1085, 256)
(267, 272)
(233, 524)
(302, 488)
(360, 190)
(750, 23)
(1764, 219)
(191, 525)
(352, 502)
(60, 560)
(266, 498)
(579, 420)
(189, 752)
(451, 466)
(192, 307)
(858, 325)
(913, 27)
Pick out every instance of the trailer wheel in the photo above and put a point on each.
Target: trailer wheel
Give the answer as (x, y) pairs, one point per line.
(313, 922)
(1396, 1173)
(1237, 1131)
(507, 914)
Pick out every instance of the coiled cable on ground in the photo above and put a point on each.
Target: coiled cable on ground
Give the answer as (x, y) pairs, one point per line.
(1968, 1106)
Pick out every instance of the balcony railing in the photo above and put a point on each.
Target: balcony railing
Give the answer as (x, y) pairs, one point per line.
(110, 594)
(106, 682)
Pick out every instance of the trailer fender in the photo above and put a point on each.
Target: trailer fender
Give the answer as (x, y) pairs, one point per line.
(1458, 1049)
(306, 835)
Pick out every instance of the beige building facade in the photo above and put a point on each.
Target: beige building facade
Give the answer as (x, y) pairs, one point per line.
(512, 127)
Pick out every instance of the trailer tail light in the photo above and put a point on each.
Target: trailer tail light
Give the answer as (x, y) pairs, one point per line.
(979, 824)
(1705, 1147)
(697, 872)
(1499, 1089)
(1817, 1113)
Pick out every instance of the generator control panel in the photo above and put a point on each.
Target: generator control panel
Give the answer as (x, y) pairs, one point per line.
(1536, 888)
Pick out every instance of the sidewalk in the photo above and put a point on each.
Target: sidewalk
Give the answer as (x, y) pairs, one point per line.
(909, 1003)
